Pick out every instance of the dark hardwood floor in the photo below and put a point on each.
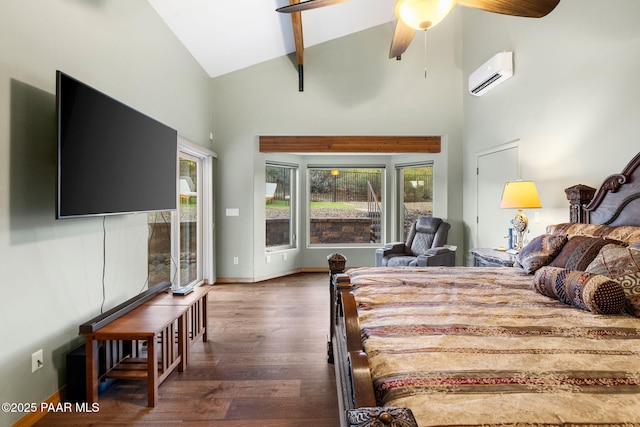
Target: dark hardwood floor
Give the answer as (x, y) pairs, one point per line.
(265, 365)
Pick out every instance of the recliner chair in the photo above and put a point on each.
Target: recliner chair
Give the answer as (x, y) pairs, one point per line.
(424, 246)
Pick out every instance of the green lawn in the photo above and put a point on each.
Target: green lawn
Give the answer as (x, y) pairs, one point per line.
(277, 204)
(331, 205)
(191, 201)
(314, 205)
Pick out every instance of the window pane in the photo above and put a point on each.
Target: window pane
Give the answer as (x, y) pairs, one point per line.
(346, 205)
(417, 194)
(189, 212)
(278, 206)
(159, 247)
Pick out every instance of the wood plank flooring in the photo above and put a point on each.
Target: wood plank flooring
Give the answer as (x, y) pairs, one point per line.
(265, 365)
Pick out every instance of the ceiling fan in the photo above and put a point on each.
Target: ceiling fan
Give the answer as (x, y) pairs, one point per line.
(416, 15)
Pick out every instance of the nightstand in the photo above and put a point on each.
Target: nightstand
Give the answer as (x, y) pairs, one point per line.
(487, 257)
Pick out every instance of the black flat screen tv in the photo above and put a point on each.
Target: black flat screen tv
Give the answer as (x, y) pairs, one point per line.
(111, 158)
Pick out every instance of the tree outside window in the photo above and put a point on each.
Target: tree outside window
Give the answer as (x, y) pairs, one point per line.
(417, 194)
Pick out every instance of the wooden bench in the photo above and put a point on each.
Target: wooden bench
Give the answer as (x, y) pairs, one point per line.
(147, 342)
(195, 316)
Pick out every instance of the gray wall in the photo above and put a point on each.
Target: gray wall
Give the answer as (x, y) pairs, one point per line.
(351, 88)
(51, 270)
(572, 102)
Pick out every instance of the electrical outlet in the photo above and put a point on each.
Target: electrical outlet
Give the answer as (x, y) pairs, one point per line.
(236, 260)
(268, 259)
(284, 256)
(37, 360)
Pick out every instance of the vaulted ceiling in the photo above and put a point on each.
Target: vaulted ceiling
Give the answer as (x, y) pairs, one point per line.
(225, 36)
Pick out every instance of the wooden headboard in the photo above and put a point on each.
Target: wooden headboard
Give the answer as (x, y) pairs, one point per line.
(616, 202)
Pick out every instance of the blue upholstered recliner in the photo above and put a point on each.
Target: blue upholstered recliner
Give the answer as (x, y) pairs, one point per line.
(424, 246)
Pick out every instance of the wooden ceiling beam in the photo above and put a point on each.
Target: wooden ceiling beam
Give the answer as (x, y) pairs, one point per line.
(296, 22)
(350, 144)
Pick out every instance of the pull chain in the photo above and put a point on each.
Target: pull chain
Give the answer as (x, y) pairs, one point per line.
(425, 54)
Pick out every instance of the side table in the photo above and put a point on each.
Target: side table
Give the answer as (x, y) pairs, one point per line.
(487, 257)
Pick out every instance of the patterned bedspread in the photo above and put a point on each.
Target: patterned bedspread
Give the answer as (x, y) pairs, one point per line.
(478, 346)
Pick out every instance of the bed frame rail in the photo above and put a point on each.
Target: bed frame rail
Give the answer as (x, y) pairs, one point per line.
(353, 376)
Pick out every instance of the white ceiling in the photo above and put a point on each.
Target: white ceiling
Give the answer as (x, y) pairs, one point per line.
(225, 36)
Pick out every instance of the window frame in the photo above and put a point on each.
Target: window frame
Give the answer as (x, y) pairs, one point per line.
(205, 250)
(399, 177)
(383, 203)
(293, 220)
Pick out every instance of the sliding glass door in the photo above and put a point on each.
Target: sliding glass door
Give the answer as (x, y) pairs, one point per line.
(190, 212)
(181, 242)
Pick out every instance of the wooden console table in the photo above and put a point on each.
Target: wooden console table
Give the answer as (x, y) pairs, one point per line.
(148, 342)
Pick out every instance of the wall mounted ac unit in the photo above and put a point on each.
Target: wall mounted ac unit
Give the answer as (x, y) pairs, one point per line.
(492, 73)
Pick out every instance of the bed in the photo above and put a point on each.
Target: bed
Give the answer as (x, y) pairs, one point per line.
(552, 341)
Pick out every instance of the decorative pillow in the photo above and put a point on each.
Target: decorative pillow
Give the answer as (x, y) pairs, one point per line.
(578, 252)
(586, 291)
(622, 265)
(540, 251)
(631, 285)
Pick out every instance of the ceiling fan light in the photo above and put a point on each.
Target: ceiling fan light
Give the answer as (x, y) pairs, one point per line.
(423, 14)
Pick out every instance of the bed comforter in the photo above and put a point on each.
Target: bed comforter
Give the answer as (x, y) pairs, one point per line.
(479, 347)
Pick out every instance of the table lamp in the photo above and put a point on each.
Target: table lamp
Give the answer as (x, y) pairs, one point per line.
(520, 195)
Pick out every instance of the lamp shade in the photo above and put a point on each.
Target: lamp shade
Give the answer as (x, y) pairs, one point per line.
(520, 195)
(423, 14)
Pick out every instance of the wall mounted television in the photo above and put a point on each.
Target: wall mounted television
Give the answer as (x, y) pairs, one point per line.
(111, 158)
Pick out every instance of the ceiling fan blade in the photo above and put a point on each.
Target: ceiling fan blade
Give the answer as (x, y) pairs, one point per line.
(308, 5)
(402, 38)
(525, 8)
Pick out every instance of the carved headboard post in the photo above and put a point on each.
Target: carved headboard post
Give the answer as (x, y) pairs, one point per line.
(579, 196)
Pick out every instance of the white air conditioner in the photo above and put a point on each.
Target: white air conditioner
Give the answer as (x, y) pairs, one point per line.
(493, 72)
